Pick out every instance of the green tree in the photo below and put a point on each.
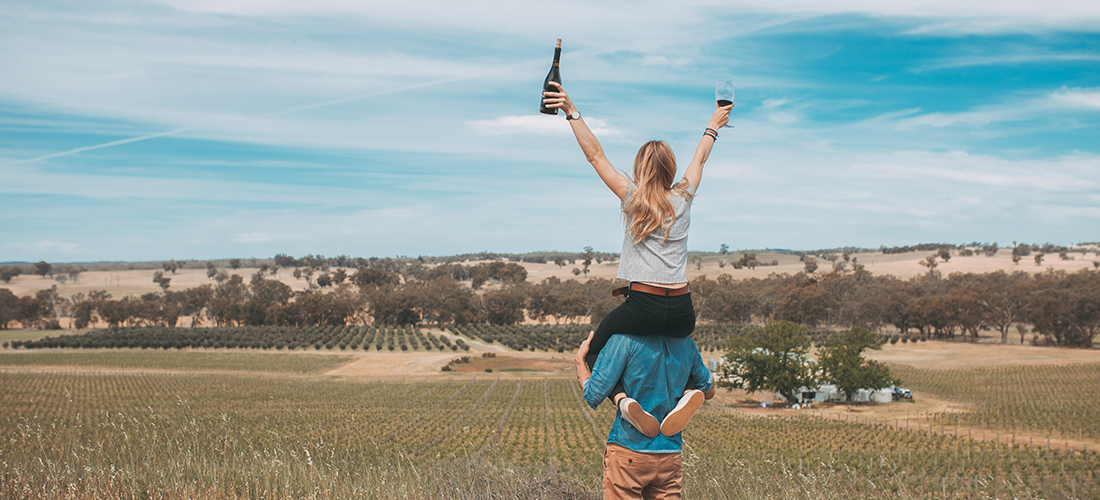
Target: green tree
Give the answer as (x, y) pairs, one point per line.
(842, 362)
(372, 278)
(160, 279)
(42, 268)
(587, 259)
(9, 308)
(724, 249)
(747, 260)
(80, 314)
(770, 358)
(7, 273)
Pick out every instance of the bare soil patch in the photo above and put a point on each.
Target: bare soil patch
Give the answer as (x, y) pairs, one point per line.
(946, 355)
(910, 415)
(430, 365)
(502, 364)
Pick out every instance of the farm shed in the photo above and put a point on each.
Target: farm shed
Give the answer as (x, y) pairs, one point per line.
(829, 392)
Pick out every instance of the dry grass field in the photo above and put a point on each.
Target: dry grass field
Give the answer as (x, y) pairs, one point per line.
(230, 423)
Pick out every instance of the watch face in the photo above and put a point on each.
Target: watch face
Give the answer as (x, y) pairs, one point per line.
(575, 115)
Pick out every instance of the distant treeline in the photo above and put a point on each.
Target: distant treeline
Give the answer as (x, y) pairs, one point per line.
(1058, 308)
(13, 269)
(988, 249)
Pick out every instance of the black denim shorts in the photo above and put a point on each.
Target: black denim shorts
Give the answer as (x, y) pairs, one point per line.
(645, 314)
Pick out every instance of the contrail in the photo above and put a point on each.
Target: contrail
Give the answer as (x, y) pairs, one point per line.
(99, 146)
(273, 113)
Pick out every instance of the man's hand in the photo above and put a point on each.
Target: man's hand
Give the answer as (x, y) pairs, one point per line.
(582, 351)
(583, 373)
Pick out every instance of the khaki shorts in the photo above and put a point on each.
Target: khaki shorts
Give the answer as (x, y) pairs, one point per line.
(628, 474)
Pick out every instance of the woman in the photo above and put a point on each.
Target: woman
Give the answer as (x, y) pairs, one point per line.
(654, 255)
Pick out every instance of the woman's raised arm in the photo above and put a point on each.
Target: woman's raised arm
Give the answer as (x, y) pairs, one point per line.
(718, 120)
(593, 152)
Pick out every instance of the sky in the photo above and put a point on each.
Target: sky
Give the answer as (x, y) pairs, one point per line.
(201, 129)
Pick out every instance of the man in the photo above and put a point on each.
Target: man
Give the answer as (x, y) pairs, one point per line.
(655, 371)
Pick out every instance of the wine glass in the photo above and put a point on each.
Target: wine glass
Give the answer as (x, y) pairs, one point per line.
(723, 92)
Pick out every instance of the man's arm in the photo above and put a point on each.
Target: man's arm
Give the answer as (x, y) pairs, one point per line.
(598, 384)
(701, 378)
(593, 152)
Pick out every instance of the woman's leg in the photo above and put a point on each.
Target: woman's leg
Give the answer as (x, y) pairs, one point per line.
(643, 314)
(617, 321)
(681, 317)
(629, 318)
(622, 319)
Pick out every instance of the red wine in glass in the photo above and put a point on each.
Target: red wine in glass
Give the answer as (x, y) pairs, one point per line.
(723, 93)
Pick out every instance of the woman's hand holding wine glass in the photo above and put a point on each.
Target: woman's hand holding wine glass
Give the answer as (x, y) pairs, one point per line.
(720, 117)
(723, 93)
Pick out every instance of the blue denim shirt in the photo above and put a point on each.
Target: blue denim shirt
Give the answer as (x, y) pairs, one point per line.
(655, 371)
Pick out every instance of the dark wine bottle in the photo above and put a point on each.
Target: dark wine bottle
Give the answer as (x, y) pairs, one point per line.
(553, 76)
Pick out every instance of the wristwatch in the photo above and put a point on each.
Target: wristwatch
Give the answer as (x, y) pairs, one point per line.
(576, 115)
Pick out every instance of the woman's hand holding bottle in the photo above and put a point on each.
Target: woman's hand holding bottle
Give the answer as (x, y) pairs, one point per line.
(559, 100)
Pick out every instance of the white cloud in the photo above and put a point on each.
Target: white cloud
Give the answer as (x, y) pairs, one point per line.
(784, 118)
(1077, 98)
(774, 103)
(1057, 175)
(655, 60)
(1069, 212)
(251, 238)
(538, 125)
(945, 16)
(48, 246)
(1026, 56)
(1014, 109)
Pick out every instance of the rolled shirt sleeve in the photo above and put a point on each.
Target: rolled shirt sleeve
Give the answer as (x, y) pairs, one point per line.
(607, 372)
(701, 378)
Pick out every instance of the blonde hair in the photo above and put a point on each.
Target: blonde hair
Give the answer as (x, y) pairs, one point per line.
(648, 208)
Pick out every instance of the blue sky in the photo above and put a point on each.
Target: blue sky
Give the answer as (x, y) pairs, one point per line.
(148, 130)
